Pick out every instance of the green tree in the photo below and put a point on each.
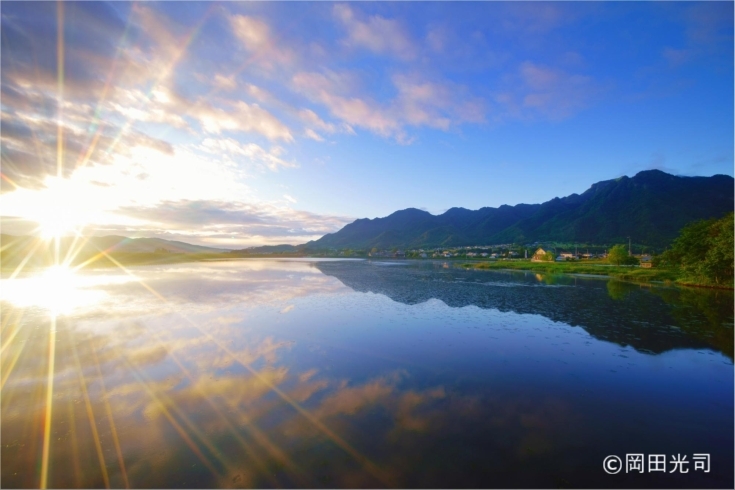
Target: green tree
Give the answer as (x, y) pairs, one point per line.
(617, 255)
(704, 251)
(549, 256)
(718, 259)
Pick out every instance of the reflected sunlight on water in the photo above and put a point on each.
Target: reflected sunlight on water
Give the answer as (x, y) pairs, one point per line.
(265, 373)
(58, 289)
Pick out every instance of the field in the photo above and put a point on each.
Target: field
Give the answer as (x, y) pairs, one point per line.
(594, 267)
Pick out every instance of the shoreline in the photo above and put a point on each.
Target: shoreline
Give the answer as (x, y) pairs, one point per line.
(637, 275)
(630, 274)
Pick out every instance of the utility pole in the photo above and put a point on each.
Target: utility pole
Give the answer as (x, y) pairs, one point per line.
(629, 252)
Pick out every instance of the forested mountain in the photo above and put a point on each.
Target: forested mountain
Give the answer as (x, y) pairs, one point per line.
(650, 207)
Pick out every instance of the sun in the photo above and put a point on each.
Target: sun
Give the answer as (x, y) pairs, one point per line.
(59, 210)
(58, 223)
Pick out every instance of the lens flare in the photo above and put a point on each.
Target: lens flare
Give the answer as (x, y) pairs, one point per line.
(57, 289)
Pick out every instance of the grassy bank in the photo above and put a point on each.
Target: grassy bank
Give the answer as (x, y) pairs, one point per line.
(600, 268)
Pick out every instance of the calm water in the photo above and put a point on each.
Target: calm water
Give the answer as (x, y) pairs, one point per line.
(303, 373)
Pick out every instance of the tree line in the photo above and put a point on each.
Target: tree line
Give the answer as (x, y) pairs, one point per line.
(703, 252)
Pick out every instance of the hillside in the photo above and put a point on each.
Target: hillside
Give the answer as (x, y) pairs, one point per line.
(650, 207)
(268, 249)
(115, 243)
(37, 251)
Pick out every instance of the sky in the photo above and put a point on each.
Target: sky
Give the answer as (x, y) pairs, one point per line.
(244, 124)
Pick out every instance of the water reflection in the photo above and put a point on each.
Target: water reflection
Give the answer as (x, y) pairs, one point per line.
(649, 319)
(58, 289)
(290, 374)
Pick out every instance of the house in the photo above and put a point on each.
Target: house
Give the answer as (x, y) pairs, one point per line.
(539, 255)
(646, 261)
(423, 255)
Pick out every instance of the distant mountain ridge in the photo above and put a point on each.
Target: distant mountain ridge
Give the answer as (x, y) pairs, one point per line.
(33, 251)
(650, 207)
(124, 244)
(114, 243)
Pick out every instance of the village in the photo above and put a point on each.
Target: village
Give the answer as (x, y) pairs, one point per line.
(510, 252)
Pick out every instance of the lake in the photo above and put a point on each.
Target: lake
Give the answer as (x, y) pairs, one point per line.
(353, 373)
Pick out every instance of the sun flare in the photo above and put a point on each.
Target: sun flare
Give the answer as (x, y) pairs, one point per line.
(54, 224)
(60, 213)
(63, 207)
(57, 289)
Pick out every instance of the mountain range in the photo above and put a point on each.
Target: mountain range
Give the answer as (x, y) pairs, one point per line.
(37, 251)
(650, 207)
(115, 243)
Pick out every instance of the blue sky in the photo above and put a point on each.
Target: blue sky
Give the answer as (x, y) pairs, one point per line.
(260, 123)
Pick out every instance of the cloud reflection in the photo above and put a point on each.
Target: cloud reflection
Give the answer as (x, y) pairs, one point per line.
(217, 387)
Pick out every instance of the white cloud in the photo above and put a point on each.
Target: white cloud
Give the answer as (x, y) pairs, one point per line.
(315, 125)
(217, 221)
(259, 93)
(535, 18)
(376, 33)
(241, 116)
(555, 92)
(30, 143)
(127, 165)
(142, 177)
(352, 110)
(420, 101)
(539, 90)
(224, 83)
(246, 153)
(310, 118)
(255, 36)
(160, 105)
(417, 103)
(166, 106)
(311, 134)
